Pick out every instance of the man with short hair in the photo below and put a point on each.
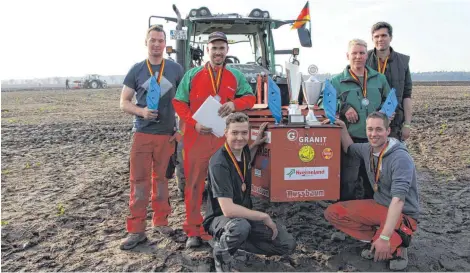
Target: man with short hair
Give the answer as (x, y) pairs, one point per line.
(153, 139)
(389, 220)
(395, 67)
(229, 216)
(230, 88)
(360, 90)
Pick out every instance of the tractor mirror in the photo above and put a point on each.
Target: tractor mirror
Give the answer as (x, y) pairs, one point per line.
(169, 50)
(304, 37)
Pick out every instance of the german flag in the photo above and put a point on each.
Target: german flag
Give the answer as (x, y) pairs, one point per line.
(303, 17)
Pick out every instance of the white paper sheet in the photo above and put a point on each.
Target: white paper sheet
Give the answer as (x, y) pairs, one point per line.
(208, 116)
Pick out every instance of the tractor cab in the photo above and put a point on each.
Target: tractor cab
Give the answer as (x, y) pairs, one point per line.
(250, 38)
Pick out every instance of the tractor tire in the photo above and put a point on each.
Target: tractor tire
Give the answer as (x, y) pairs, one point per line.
(94, 84)
(104, 85)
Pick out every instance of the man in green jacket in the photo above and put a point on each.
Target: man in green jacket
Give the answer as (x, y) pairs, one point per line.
(361, 91)
(395, 67)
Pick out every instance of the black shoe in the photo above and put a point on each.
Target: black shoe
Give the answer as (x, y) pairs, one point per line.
(193, 242)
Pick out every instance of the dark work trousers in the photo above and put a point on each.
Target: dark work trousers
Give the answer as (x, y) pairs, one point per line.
(250, 236)
(354, 182)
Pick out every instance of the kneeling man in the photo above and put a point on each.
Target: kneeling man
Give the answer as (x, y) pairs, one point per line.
(229, 216)
(389, 220)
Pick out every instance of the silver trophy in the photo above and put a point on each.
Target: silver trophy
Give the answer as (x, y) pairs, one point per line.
(312, 90)
(294, 81)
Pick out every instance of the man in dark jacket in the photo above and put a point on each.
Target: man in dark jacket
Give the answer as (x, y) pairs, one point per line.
(395, 67)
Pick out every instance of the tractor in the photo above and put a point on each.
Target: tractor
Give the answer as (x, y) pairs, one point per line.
(251, 34)
(93, 81)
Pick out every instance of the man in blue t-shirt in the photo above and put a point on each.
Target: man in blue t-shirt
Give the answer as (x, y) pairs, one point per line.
(153, 140)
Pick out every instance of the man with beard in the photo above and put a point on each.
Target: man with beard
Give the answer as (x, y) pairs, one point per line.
(361, 90)
(389, 220)
(395, 67)
(231, 89)
(153, 138)
(229, 216)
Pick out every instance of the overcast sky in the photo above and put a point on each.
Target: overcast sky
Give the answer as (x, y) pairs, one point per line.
(46, 38)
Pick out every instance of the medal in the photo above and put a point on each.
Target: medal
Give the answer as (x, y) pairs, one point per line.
(379, 166)
(365, 102)
(215, 84)
(234, 161)
(217, 98)
(381, 69)
(160, 73)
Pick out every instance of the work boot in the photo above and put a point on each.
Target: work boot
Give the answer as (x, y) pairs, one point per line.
(163, 230)
(193, 242)
(400, 262)
(132, 240)
(223, 261)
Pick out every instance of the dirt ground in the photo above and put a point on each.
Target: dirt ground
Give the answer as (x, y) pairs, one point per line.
(65, 192)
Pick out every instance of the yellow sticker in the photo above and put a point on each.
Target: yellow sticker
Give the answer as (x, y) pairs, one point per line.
(306, 153)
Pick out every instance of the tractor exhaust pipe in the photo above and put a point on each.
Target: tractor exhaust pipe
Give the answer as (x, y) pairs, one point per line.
(180, 44)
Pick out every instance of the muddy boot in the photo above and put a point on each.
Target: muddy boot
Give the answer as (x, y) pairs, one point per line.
(163, 230)
(132, 240)
(223, 261)
(338, 236)
(193, 242)
(400, 262)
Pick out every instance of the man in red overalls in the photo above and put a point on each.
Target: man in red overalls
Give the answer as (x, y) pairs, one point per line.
(230, 87)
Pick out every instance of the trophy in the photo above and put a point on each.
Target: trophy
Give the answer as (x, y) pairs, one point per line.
(312, 90)
(294, 80)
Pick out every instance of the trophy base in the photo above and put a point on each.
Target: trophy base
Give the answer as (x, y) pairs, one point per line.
(296, 119)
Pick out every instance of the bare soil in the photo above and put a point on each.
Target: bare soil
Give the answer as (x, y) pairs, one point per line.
(65, 192)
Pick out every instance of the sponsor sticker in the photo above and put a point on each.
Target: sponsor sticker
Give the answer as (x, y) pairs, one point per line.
(258, 172)
(327, 153)
(304, 193)
(306, 153)
(292, 135)
(259, 190)
(305, 173)
(254, 134)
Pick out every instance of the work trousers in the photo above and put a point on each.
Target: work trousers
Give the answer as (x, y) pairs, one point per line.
(148, 163)
(251, 236)
(365, 220)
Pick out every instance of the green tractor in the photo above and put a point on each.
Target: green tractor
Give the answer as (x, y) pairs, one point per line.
(252, 46)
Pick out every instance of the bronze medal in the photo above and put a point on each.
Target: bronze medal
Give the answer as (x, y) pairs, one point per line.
(376, 187)
(234, 161)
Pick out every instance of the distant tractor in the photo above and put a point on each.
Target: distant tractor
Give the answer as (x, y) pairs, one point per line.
(93, 81)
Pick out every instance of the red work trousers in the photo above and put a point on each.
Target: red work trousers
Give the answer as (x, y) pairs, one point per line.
(197, 153)
(150, 155)
(361, 218)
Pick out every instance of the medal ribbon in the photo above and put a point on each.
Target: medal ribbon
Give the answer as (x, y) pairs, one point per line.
(234, 160)
(160, 73)
(382, 69)
(215, 85)
(363, 86)
(379, 163)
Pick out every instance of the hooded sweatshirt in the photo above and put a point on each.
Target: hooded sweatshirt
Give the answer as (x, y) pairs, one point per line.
(397, 175)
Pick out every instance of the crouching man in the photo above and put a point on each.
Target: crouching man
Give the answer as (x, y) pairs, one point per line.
(229, 216)
(389, 220)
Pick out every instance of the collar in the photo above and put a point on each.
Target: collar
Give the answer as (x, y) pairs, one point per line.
(391, 57)
(347, 76)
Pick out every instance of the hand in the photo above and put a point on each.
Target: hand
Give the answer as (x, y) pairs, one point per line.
(148, 114)
(173, 138)
(226, 109)
(337, 122)
(405, 133)
(351, 115)
(270, 224)
(382, 250)
(392, 116)
(261, 138)
(201, 129)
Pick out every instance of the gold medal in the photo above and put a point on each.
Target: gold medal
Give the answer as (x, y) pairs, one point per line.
(376, 187)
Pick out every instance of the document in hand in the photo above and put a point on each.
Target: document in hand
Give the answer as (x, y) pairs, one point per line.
(208, 116)
(390, 104)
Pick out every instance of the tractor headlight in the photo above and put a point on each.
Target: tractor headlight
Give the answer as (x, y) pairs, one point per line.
(265, 14)
(193, 13)
(204, 11)
(255, 13)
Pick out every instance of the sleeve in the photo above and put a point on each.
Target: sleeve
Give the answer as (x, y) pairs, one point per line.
(408, 83)
(130, 79)
(402, 175)
(358, 150)
(245, 99)
(180, 72)
(181, 100)
(220, 181)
